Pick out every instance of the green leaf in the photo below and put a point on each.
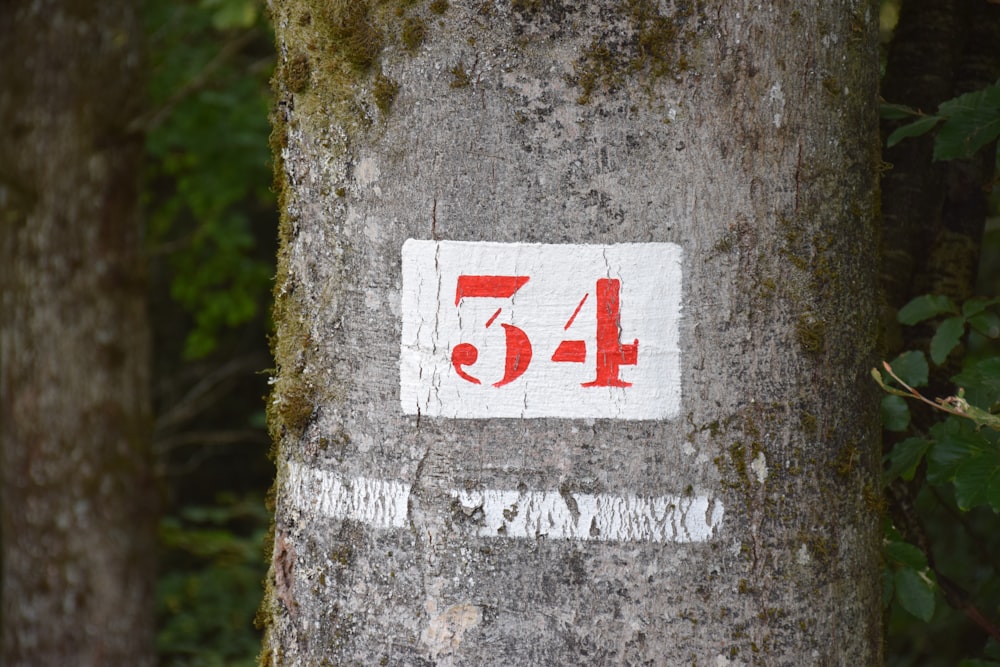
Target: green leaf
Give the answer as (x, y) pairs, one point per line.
(906, 554)
(971, 121)
(977, 305)
(981, 381)
(911, 367)
(889, 532)
(946, 338)
(978, 663)
(914, 129)
(977, 480)
(915, 593)
(895, 413)
(955, 441)
(986, 323)
(904, 458)
(925, 307)
(897, 111)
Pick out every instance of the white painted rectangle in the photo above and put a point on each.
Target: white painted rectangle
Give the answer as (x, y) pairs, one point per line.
(534, 330)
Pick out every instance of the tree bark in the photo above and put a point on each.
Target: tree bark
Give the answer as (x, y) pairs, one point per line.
(740, 526)
(78, 526)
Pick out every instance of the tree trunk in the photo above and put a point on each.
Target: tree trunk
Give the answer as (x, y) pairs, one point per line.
(575, 308)
(77, 518)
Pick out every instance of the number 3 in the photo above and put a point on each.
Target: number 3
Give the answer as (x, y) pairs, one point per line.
(518, 346)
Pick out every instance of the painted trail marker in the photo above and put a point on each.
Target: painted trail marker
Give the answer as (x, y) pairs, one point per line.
(383, 504)
(533, 330)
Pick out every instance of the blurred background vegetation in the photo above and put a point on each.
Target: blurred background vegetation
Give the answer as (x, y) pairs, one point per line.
(211, 239)
(211, 227)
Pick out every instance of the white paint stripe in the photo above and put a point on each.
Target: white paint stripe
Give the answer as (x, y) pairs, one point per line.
(380, 503)
(529, 514)
(584, 516)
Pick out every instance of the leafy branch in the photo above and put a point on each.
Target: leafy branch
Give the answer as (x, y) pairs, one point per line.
(953, 405)
(965, 123)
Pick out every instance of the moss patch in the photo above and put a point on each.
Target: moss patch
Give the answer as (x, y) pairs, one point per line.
(351, 34)
(654, 46)
(459, 77)
(413, 34)
(338, 75)
(384, 91)
(811, 333)
(526, 6)
(297, 74)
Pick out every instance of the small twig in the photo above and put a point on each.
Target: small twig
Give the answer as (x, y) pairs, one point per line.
(940, 404)
(953, 405)
(205, 392)
(958, 599)
(205, 438)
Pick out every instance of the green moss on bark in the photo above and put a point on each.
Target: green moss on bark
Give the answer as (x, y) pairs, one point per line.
(414, 33)
(653, 46)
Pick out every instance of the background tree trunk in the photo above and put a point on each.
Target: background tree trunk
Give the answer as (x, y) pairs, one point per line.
(935, 212)
(77, 517)
(745, 135)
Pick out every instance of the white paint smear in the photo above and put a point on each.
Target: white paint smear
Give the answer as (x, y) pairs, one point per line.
(503, 513)
(377, 502)
(532, 330)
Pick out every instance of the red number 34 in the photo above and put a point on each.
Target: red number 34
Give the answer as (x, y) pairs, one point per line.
(611, 353)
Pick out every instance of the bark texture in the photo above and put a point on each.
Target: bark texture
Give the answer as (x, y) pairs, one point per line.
(77, 518)
(745, 133)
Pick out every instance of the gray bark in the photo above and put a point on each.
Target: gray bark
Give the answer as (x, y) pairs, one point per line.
(744, 133)
(78, 527)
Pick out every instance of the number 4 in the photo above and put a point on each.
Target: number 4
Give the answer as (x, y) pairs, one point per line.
(611, 354)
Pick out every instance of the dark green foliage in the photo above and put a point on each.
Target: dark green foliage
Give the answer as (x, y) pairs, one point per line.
(942, 581)
(895, 413)
(952, 465)
(209, 162)
(211, 224)
(908, 578)
(906, 456)
(206, 602)
(925, 307)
